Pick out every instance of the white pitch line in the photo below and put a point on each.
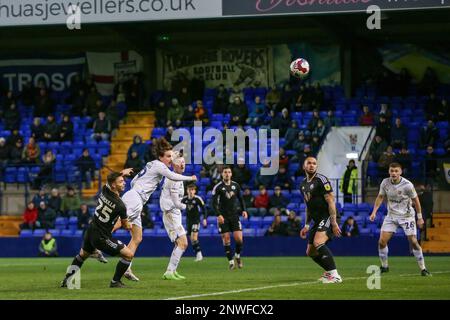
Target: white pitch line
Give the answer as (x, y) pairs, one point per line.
(278, 286)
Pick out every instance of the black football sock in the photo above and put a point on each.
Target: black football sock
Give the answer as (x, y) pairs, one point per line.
(318, 259)
(76, 263)
(228, 252)
(121, 268)
(196, 246)
(327, 257)
(239, 246)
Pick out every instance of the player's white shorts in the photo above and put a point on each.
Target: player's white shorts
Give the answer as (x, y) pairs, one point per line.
(390, 224)
(133, 202)
(173, 224)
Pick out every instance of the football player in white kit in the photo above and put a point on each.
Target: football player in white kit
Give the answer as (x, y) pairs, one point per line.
(400, 194)
(171, 205)
(142, 187)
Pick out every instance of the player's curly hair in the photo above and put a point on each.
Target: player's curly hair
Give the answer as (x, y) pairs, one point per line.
(161, 146)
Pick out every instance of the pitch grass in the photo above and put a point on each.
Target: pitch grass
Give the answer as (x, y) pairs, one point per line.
(284, 278)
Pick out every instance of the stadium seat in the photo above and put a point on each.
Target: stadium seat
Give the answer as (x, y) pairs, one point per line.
(38, 233)
(26, 233)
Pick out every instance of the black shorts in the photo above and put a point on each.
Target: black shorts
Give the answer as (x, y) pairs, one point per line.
(93, 239)
(192, 226)
(321, 226)
(230, 225)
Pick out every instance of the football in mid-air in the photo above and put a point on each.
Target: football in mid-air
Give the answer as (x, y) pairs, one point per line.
(300, 68)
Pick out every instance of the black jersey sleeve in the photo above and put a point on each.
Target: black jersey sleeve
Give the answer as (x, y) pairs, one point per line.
(325, 184)
(122, 212)
(201, 205)
(216, 199)
(184, 200)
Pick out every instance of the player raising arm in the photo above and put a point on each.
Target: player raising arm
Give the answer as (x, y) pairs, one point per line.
(400, 194)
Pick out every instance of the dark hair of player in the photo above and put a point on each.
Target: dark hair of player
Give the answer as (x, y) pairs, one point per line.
(225, 168)
(112, 177)
(395, 165)
(160, 147)
(192, 186)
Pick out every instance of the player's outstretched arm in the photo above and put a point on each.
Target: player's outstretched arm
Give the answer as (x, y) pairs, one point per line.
(420, 221)
(305, 229)
(126, 172)
(378, 202)
(164, 171)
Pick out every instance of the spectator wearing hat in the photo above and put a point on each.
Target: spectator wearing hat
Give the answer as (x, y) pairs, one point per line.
(277, 201)
(70, 203)
(139, 146)
(15, 155)
(175, 114)
(48, 246)
(46, 217)
(66, 129)
(51, 129)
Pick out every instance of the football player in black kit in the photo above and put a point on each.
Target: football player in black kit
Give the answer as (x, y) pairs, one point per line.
(321, 208)
(225, 204)
(194, 204)
(110, 208)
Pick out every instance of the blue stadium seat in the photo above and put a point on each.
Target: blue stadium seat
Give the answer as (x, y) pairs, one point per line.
(38, 233)
(26, 233)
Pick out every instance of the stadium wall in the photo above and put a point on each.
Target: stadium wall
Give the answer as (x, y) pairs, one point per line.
(212, 246)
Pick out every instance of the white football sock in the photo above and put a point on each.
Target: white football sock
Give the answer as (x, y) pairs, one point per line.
(175, 259)
(333, 273)
(419, 257)
(383, 253)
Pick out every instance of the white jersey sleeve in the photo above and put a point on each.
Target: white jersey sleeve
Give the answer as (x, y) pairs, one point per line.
(171, 195)
(383, 187)
(411, 191)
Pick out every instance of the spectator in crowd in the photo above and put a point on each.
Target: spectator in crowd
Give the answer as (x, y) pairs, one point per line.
(86, 165)
(147, 222)
(399, 134)
(139, 146)
(222, 100)
(293, 224)
(432, 107)
(4, 153)
(366, 118)
(283, 179)
(291, 135)
(37, 129)
(66, 129)
(317, 96)
(184, 97)
(93, 102)
(215, 173)
(377, 148)
(13, 138)
(45, 174)
(312, 124)
(51, 129)
(48, 246)
(426, 202)
(429, 135)
(283, 159)
(430, 82)
(42, 196)
(307, 152)
(288, 98)
(29, 217)
(273, 98)
(55, 201)
(84, 217)
(404, 158)
(257, 112)
(238, 112)
(43, 104)
(241, 174)
(112, 115)
(264, 179)
(31, 153)
(79, 104)
(350, 228)
(134, 162)
(175, 114)
(283, 122)
(443, 112)
(70, 203)
(277, 228)
(11, 117)
(383, 129)
(319, 130)
(330, 120)
(135, 92)
(385, 160)
(431, 163)
(168, 135)
(161, 114)
(277, 201)
(301, 100)
(249, 201)
(189, 116)
(15, 156)
(46, 217)
(8, 100)
(385, 112)
(200, 113)
(300, 143)
(261, 202)
(349, 181)
(102, 127)
(315, 144)
(236, 93)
